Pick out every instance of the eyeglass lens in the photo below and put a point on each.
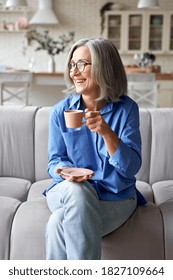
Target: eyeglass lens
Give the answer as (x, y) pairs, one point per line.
(79, 65)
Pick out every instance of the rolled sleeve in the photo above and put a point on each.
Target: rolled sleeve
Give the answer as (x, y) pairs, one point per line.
(126, 161)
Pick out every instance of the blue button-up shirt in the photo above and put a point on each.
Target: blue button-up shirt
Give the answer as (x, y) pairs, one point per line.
(114, 176)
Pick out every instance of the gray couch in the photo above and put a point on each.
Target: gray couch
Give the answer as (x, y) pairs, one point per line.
(148, 234)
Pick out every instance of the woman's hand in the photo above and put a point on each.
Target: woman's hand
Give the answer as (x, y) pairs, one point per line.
(73, 178)
(95, 122)
(76, 179)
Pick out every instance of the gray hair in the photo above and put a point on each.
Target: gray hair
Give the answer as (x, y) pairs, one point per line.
(107, 69)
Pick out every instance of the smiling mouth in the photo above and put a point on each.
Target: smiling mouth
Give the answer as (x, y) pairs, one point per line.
(79, 81)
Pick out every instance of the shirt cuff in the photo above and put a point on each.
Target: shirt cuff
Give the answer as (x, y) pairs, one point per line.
(52, 169)
(117, 158)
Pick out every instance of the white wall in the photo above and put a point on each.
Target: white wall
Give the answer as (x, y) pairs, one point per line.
(80, 16)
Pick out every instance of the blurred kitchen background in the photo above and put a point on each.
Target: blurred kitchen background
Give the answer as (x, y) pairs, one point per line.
(144, 37)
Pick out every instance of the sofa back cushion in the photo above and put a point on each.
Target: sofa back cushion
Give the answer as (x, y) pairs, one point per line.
(145, 129)
(41, 143)
(161, 167)
(17, 142)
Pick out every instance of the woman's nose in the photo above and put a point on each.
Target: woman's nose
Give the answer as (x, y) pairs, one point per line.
(75, 71)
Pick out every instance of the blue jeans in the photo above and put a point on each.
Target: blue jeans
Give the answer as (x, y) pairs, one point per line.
(79, 220)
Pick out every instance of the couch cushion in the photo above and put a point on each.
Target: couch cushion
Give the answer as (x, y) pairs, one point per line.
(145, 129)
(167, 216)
(163, 191)
(41, 143)
(162, 145)
(8, 207)
(37, 189)
(140, 238)
(17, 141)
(14, 187)
(27, 237)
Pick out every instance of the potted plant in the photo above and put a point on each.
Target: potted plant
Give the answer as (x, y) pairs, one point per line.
(49, 44)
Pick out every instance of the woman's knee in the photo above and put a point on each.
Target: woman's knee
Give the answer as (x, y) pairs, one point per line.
(71, 194)
(79, 193)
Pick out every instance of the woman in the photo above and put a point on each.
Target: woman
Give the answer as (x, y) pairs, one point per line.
(86, 208)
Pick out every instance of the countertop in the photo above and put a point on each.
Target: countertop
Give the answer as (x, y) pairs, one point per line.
(159, 76)
(164, 76)
(56, 74)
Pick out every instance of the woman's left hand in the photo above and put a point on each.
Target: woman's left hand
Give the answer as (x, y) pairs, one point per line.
(95, 122)
(77, 179)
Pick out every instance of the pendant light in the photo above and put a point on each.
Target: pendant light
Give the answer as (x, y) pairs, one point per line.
(16, 3)
(148, 4)
(45, 14)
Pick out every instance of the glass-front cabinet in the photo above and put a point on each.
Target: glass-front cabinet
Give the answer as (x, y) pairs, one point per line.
(140, 31)
(135, 32)
(115, 29)
(170, 24)
(155, 38)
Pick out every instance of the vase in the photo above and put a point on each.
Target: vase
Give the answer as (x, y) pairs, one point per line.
(51, 64)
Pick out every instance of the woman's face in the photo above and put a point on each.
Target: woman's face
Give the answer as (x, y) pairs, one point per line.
(82, 80)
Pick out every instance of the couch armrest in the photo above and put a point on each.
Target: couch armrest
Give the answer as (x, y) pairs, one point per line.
(166, 209)
(163, 191)
(145, 189)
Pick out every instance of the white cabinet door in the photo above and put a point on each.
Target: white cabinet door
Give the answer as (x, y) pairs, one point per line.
(155, 32)
(140, 31)
(169, 29)
(114, 23)
(135, 29)
(125, 29)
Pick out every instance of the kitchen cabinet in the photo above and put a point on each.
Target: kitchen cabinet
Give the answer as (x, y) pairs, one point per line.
(140, 31)
(170, 28)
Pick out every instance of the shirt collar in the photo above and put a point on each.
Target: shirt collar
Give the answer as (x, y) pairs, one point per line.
(75, 100)
(107, 108)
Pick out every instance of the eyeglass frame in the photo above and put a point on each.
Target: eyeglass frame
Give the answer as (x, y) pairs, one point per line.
(75, 65)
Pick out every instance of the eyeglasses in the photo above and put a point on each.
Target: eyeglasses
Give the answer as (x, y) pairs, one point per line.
(80, 65)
